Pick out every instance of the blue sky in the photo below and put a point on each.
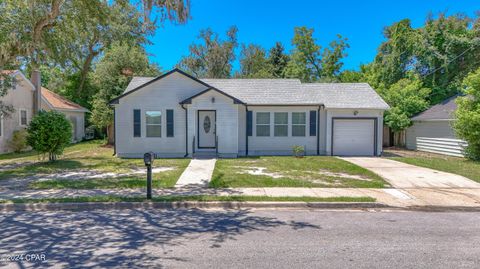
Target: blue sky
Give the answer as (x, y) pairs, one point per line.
(264, 22)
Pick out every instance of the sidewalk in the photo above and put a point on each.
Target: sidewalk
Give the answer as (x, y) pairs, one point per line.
(451, 197)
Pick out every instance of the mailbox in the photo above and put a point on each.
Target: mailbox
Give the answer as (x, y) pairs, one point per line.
(148, 158)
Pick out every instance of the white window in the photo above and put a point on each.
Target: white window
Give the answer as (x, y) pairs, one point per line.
(263, 123)
(23, 117)
(281, 124)
(153, 123)
(299, 120)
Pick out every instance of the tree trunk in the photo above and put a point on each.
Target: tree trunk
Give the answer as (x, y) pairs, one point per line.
(110, 134)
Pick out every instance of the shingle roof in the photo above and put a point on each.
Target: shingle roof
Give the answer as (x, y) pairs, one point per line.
(59, 102)
(137, 81)
(441, 111)
(291, 92)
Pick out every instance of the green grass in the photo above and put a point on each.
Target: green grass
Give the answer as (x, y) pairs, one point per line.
(202, 198)
(93, 155)
(460, 166)
(295, 172)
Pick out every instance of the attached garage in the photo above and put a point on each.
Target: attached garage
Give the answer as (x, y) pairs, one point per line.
(354, 137)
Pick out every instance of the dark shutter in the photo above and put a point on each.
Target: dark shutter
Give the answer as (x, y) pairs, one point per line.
(137, 123)
(169, 122)
(313, 123)
(249, 123)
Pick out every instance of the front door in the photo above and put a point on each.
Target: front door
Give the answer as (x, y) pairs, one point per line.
(206, 128)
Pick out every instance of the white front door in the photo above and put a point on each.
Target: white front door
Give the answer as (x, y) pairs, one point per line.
(206, 128)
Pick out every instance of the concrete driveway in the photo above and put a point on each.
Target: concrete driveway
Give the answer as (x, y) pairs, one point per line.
(402, 175)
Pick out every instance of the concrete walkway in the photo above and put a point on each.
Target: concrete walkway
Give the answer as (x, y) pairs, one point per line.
(392, 197)
(198, 173)
(407, 176)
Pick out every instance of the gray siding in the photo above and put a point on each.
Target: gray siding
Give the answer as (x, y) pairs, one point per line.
(433, 129)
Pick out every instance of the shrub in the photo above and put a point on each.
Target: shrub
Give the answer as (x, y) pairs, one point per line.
(467, 124)
(298, 151)
(49, 132)
(18, 142)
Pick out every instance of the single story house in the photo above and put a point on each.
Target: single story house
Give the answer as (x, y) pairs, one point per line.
(178, 115)
(432, 130)
(22, 98)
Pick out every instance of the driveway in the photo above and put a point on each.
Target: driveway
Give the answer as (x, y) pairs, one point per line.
(402, 175)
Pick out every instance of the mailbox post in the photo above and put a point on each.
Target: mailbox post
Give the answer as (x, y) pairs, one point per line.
(148, 160)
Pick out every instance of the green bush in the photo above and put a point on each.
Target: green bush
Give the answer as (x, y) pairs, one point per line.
(18, 142)
(49, 132)
(467, 124)
(298, 151)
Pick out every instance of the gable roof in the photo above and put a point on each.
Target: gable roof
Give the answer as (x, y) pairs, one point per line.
(189, 99)
(441, 111)
(280, 92)
(20, 74)
(58, 102)
(146, 81)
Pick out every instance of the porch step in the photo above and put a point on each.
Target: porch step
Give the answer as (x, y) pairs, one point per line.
(204, 155)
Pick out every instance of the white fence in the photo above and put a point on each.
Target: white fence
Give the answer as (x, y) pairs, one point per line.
(445, 146)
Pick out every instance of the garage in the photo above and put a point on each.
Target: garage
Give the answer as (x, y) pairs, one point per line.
(354, 137)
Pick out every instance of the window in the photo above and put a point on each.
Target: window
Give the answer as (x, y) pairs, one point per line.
(1, 125)
(298, 123)
(281, 124)
(263, 123)
(170, 123)
(154, 123)
(137, 123)
(23, 117)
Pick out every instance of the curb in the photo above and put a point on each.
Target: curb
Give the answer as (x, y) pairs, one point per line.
(10, 207)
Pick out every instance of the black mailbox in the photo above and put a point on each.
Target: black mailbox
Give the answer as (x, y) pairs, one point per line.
(148, 158)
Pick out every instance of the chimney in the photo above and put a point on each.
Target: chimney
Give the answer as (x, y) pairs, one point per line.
(37, 95)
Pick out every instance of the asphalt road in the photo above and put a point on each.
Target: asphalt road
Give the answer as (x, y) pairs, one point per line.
(241, 239)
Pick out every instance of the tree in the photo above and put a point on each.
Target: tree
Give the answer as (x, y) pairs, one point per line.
(213, 57)
(309, 63)
(112, 74)
(49, 132)
(253, 62)
(467, 124)
(406, 98)
(352, 76)
(278, 60)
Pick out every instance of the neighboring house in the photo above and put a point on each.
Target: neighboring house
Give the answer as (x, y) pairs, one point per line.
(432, 130)
(22, 98)
(177, 115)
(74, 112)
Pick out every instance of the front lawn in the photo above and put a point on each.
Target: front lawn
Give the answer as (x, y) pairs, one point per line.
(455, 165)
(93, 161)
(311, 171)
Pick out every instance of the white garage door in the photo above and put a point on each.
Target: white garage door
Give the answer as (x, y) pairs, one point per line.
(353, 137)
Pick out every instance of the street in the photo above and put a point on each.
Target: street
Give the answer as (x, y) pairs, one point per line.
(241, 239)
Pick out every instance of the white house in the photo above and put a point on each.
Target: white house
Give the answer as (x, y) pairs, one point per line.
(177, 115)
(432, 130)
(22, 98)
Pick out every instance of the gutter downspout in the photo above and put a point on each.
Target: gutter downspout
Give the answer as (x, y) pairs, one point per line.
(318, 130)
(186, 131)
(114, 132)
(246, 130)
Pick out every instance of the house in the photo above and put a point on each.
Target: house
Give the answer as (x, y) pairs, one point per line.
(178, 115)
(238, 117)
(22, 97)
(432, 130)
